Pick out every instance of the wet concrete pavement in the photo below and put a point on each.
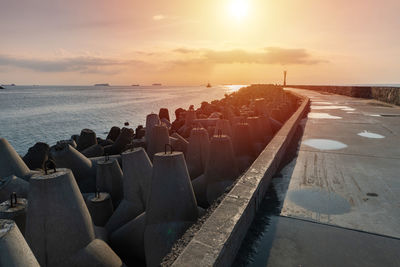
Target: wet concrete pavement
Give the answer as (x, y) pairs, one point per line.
(339, 199)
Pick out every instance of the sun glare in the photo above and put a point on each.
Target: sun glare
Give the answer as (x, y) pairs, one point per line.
(239, 8)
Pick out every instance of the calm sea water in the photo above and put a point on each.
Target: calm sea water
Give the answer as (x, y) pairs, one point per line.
(30, 114)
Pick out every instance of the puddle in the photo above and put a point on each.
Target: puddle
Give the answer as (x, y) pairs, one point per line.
(329, 107)
(324, 144)
(371, 135)
(320, 201)
(318, 115)
(374, 115)
(348, 109)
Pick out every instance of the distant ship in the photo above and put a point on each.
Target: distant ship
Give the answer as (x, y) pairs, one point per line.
(1, 87)
(102, 84)
(135, 85)
(156, 84)
(208, 85)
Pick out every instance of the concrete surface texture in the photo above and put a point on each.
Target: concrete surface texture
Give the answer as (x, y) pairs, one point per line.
(11, 163)
(11, 184)
(197, 152)
(137, 175)
(58, 224)
(151, 120)
(109, 179)
(86, 139)
(96, 253)
(223, 127)
(158, 138)
(136, 185)
(14, 251)
(16, 211)
(128, 240)
(221, 169)
(65, 156)
(100, 207)
(242, 141)
(353, 185)
(179, 143)
(301, 243)
(341, 195)
(171, 208)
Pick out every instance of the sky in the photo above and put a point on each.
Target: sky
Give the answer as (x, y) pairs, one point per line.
(181, 42)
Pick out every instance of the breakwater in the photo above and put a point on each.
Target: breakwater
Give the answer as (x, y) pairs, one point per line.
(385, 94)
(129, 197)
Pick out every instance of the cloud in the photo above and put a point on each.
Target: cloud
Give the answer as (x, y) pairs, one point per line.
(269, 55)
(158, 17)
(178, 59)
(82, 64)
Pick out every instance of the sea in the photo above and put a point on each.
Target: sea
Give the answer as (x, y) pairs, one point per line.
(30, 114)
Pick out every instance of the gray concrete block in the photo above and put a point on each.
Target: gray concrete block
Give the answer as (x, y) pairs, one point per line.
(66, 156)
(157, 140)
(58, 222)
(16, 212)
(11, 184)
(97, 254)
(197, 152)
(14, 251)
(151, 120)
(137, 176)
(109, 179)
(128, 241)
(100, 207)
(172, 206)
(10, 162)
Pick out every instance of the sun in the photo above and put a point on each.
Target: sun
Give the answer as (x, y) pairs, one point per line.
(239, 8)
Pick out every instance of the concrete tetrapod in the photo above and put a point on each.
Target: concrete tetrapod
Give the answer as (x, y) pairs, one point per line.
(224, 127)
(136, 183)
(100, 207)
(164, 114)
(172, 206)
(12, 184)
(93, 151)
(86, 139)
(58, 223)
(242, 140)
(256, 129)
(37, 155)
(197, 151)
(157, 140)
(65, 156)
(124, 138)
(128, 241)
(266, 128)
(179, 143)
(151, 120)
(221, 169)
(243, 146)
(15, 209)
(109, 179)
(10, 162)
(113, 133)
(14, 251)
(97, 253)
(190, 117)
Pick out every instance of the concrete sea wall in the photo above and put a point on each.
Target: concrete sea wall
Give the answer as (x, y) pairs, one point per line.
(386, 94)
(220, 237)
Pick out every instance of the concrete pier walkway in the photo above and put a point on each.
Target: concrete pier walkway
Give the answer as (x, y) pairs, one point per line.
(340, 197)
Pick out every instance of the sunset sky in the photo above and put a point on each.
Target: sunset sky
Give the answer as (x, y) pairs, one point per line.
(181, 42)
